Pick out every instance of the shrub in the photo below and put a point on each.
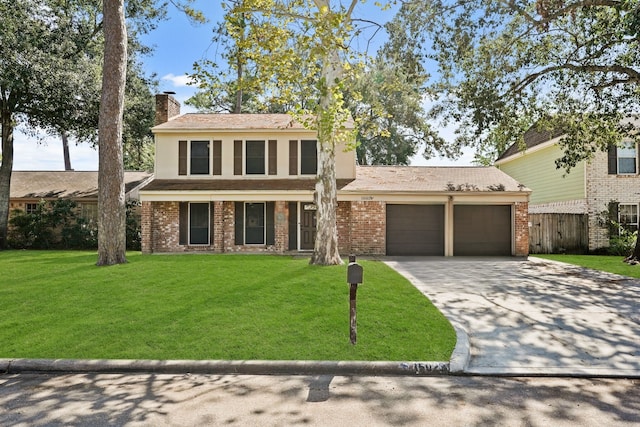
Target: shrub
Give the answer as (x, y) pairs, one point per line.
(55, 225)
(623, 243)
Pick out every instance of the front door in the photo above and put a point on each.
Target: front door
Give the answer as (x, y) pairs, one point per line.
(307, 226)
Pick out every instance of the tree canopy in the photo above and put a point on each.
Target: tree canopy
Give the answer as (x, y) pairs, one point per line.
(295, 56)
(504, 65)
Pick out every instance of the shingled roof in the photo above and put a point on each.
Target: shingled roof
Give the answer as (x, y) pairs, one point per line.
(397, 179)
(200, 122)
(431, 179)
(532, 137)
(65, 184)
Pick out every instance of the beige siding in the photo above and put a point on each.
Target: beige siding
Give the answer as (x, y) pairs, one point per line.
(537, 171)
(166, 165)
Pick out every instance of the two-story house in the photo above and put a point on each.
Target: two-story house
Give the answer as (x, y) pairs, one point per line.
(609, 180)
(245, 183)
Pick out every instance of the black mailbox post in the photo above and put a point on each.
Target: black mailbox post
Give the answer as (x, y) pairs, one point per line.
(354, 277)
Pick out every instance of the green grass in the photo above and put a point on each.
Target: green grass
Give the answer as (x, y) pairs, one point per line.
(611, 264)
(58, 304)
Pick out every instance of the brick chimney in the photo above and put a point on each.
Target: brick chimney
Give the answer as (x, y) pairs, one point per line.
(166, 107)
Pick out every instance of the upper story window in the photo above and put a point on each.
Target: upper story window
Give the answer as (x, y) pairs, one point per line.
(308, 157)
(307, 162)
(623, 159)
(255, 158)
(628, 216)
(199, 158)
(627, 158)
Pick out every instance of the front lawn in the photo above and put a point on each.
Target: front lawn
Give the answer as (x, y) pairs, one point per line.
(58, 304)
(611, 264)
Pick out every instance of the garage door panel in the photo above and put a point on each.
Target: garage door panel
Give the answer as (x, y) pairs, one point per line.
(482, 230)
(415, 230)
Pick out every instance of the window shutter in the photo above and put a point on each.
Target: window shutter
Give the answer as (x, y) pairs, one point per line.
(614, 230)
(211, 234)
(239, 226)
(293, 226)
(613, 160)
(270, 223)
(217, 157)
(293, 157)
(182, 157)
(184, 223)
(237, 157)
(273, 157)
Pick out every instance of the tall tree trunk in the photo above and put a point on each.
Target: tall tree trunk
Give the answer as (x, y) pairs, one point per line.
(6, 167)
(65, 151)
(111, 200)
(326, 251)
(237, 108)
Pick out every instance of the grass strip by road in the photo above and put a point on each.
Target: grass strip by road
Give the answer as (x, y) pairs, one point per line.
(58, 304)
(611, 264)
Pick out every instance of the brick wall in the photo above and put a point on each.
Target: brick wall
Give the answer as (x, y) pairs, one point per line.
(603, 188)
(166, 107)
(521, 229)
(146, 227)
(165, 227)
(361, 229)
(343, 218)
(368, 228)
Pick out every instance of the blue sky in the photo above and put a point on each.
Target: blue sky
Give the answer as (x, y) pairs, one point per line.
(177, 44)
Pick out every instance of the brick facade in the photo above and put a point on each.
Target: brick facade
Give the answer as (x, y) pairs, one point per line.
(603, 188)
(368, 228)
(521, 229)
(361, 229)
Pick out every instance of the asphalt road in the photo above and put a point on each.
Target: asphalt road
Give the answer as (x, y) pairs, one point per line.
(233, 400)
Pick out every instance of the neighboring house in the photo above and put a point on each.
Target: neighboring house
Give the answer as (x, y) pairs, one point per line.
(245, 183)
(588, 189)
(28, 188)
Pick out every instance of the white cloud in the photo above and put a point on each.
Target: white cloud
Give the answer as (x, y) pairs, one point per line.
(32, 154)
(178, 81)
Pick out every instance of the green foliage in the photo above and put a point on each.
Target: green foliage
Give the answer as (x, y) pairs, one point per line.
(503, 66)
(386, 99)
(54, 224)
(623, 243)
(203, 306)
(139, 118)
(57, 225)
(133, 229)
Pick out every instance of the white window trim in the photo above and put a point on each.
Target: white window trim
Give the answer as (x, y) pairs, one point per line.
(637, 223)
(32, 205)
(618, 157)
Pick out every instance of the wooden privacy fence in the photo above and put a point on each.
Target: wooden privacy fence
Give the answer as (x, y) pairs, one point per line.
(552, 233)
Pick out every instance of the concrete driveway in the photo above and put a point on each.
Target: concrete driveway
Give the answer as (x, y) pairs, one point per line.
(534, 317)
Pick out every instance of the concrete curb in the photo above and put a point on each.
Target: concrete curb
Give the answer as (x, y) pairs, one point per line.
(461, 353)
(239, 367)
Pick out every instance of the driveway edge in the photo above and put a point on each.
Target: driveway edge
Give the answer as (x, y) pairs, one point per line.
(239, 367)
(462, 351)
